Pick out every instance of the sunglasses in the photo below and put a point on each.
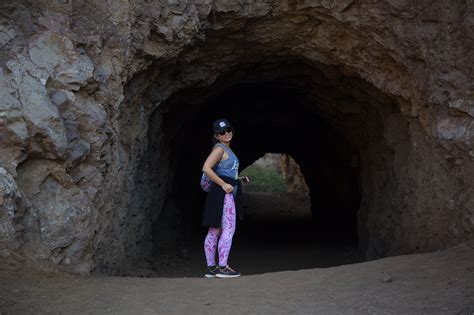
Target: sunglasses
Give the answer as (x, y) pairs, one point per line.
(228, 130)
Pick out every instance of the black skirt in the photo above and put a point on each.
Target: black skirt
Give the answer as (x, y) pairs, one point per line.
(212, 214)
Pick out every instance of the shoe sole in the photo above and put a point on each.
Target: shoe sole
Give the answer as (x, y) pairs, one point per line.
(209, 276)
(227, 276)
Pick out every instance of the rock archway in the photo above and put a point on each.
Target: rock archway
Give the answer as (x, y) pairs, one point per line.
(107, 108)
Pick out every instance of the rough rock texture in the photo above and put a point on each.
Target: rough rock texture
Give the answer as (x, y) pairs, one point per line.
(287, 167)
(294, 178)
(269, 160)
(87, 138)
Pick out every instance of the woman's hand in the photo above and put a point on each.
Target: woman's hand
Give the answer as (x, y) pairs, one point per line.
(228, 188)
(245, 180)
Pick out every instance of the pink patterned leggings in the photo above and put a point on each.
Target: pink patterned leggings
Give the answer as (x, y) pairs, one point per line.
(221, 236)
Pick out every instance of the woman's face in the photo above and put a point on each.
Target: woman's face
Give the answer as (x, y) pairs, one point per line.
(226, 137)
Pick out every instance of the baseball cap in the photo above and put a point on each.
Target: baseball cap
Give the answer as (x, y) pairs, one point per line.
(220, 125)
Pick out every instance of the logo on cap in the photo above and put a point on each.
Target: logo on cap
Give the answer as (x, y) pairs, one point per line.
(222, 124)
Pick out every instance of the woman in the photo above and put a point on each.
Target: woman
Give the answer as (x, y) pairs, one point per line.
(221, 167)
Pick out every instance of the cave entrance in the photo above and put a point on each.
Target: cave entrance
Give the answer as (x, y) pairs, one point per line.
(325, 120)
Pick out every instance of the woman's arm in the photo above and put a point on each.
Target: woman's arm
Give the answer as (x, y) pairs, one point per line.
(210, 162)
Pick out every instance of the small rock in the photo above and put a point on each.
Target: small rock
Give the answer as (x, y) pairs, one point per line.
(386, 277)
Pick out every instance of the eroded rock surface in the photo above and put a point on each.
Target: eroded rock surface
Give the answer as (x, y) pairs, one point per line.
(84, 163)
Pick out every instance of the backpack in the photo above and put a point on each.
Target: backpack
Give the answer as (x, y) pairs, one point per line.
(206, 183)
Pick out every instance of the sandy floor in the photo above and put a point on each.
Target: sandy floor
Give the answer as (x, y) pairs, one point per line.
(285, 271)
(432, 283)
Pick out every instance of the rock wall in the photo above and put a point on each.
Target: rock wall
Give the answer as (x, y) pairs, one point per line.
(293, 176)
(269, 160)
(287, 167)
(79, 82)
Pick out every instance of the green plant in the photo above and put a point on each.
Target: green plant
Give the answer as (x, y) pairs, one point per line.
(263, 180)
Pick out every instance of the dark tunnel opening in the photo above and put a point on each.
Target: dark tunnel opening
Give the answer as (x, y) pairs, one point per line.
(325, 120)
(264, 123)
(267, 117)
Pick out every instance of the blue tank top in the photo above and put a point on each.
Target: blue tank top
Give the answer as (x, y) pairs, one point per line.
(230, 166)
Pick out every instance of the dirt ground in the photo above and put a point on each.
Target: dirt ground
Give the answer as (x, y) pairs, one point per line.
(285, 270)
(432, 283)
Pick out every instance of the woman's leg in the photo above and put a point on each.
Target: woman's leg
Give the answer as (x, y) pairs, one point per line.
(228, 229)
(210, 245)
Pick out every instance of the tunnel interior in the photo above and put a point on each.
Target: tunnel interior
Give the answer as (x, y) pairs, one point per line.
(330, 122)
(261, 116)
